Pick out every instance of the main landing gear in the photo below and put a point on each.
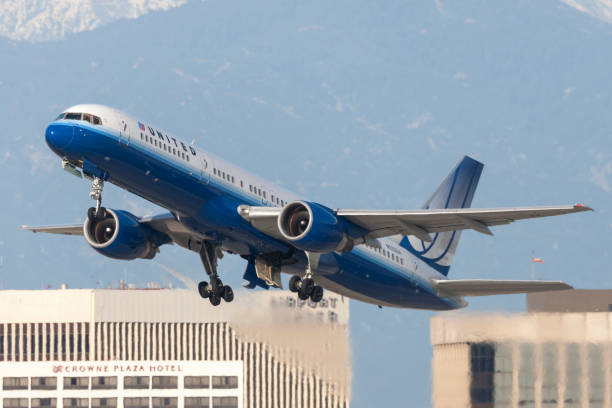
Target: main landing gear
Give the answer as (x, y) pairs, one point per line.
(99, 212)
(215, 291)
(306, 287)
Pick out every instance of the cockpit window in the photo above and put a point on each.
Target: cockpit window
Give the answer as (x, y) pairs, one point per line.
(81, 116)
(73, 116)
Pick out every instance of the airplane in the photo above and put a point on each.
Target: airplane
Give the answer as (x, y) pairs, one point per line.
(387, 258)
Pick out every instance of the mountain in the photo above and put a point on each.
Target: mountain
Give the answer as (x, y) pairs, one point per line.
(350, 103)
(45, 20)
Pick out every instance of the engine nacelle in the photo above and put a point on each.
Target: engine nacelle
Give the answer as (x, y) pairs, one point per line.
(119, 235)
(312, 227)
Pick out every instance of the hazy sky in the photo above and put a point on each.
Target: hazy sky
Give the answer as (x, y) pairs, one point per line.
(351, 103)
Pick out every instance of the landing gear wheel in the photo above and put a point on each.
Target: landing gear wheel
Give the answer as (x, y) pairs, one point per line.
(91, 214)
(228, 294)
(203, 289)
(294, 283)
(214, 300)
(306, 288)
(317, 294)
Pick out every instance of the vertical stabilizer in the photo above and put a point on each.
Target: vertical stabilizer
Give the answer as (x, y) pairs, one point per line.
(455, 191)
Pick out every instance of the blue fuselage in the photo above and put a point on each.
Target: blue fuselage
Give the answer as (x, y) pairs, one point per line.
(205, 202)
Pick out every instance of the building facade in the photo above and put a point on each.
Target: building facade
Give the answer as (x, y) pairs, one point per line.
(536, 359)
(167, 348)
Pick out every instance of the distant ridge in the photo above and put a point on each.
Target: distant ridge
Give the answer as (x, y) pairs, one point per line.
(48, 20)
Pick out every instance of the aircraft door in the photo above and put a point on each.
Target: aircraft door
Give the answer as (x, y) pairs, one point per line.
(206, 165)
(124, 132)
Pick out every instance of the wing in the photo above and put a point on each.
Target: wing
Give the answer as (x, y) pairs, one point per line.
(419, 223)
(482, 287)
(163, 223)
(75, 229)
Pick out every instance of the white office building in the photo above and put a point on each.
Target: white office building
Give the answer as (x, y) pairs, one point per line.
(168, 348)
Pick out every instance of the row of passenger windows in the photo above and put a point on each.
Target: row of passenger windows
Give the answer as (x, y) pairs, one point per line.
(110, 382)
(165, 147)
(131, 402)
(390, 255)
(255, 190)
(93, 119)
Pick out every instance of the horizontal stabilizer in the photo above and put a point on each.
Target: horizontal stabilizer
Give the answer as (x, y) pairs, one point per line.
(484, 287)
(57, 229)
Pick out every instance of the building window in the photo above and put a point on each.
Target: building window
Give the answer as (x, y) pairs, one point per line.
(76, 383)
(165, 382)
(136, 402)
(197, 382)
(224, 382)
(15, 403)
(225, 402)
(164, 402)
(104, 383)
(44, 402)
(15, 383)
(482, 364)
(103, 402)
(76, 402)
(197, 402)
(134, 382)
(44, 383)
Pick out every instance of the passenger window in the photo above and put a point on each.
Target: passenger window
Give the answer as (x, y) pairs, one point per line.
(183, 155)
(141, 136)
(241, 184)
(264, 194)
(232, 179)
(223, 175)
(155, 142)
(187, 157)
(174, 151)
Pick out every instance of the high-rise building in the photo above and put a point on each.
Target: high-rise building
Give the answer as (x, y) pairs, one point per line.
(559, 354)
(168, 348)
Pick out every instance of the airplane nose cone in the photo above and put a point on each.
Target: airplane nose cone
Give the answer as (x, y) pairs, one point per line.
(59, 136)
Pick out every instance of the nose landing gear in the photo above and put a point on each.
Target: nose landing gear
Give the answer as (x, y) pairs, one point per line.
(99, 212)
(215, 291)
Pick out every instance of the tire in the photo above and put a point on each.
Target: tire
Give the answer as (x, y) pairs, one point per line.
(101, 213)
(293, 283)
(214, 300)
(307, 286)
(317, 294)
(228, 294)
(91, 214)
(302, 295)
(203, 289)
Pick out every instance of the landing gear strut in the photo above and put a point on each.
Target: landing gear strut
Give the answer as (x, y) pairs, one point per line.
(97, 185)
(305, 287)
(215, 291)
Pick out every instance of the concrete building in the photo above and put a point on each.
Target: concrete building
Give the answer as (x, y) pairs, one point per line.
(168, 348)
(557, 355)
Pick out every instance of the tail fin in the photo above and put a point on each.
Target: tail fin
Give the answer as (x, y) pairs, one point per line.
(455, 191)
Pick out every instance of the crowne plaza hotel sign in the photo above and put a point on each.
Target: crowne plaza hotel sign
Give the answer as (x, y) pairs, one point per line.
(118, 368)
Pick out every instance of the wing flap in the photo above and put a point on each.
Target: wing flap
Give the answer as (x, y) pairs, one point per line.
(483, 287)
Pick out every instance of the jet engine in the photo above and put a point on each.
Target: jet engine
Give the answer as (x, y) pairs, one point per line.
(313, 227)
(119, 235)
